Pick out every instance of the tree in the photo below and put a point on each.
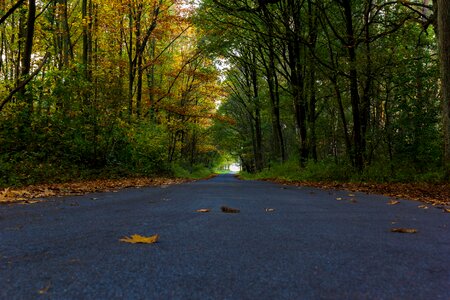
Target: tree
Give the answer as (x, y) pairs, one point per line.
(443, 26)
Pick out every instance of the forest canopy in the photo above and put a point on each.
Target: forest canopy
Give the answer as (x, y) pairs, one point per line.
(333, 90)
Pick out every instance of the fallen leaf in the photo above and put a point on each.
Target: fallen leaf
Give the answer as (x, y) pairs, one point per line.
(136, 238)
(447, 210)
(404, 230)
(203, 210)
(338, 199)
(393, 202)
(423, 206)
(45, 289)
(351, 195)
(226, 209)
(270, 209)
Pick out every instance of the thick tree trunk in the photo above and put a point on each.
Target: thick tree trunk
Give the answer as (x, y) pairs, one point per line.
(358, 151)
(443, 22)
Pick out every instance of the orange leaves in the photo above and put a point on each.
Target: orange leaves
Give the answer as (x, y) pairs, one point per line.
(139, 239)
(25, 195)
(404, 230)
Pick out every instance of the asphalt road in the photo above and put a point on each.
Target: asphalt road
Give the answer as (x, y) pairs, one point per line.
(311, 246)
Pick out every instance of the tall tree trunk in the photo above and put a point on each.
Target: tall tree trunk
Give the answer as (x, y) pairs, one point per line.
(312, 25)
(354, 94)
(296, 76)
(367, 90)
(138, 58)
(272, 82)
(66, 38)
(443, 22)
(26, 62)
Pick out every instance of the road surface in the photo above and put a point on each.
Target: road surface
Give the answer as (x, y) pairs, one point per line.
(311, 246)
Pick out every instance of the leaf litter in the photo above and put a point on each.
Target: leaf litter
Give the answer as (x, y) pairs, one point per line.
(33, 193)
(432, 193)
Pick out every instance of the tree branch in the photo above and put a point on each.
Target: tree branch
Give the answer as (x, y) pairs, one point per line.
(25, 82)
(11, 11)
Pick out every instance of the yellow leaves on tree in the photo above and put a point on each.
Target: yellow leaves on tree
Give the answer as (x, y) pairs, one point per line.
(139, 239)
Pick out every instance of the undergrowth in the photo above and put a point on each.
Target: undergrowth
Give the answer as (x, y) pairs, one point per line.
(340, 172)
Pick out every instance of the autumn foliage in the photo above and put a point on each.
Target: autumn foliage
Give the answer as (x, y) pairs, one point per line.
(124, 90)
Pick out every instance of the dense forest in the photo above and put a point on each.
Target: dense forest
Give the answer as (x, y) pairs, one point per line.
(323, 90)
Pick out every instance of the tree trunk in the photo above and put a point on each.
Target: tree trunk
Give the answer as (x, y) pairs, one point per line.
(26, 62)
(443, 21)
(258, 132)
(312, 25)
(354, 94)
(272, 81)
(131, 66)
(297, 77)
(367, 90)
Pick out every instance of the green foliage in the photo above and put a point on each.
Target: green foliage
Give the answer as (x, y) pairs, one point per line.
(195, 172)
(291, 171)
(329, 171)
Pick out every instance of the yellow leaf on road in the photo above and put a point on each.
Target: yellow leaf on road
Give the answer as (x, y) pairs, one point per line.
(423, 206)
(136, 239)
(203, 210)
